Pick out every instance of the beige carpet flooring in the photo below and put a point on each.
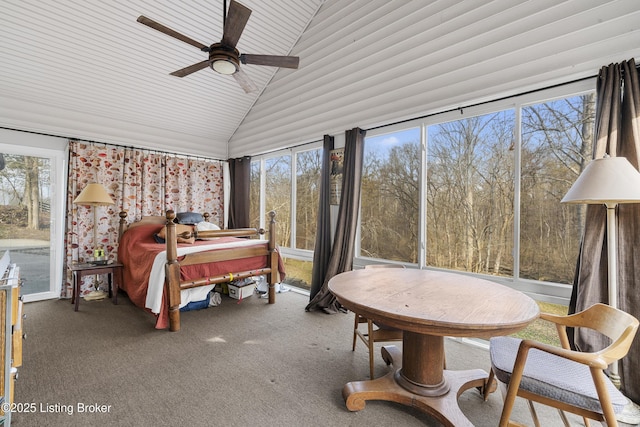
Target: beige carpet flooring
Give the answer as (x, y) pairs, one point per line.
(239, 364)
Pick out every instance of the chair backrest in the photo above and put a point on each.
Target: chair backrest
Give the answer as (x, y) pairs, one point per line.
(619, 326)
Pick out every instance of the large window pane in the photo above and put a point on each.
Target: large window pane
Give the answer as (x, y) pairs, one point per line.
(25, 218)
(278, 195)
(557, 139)
(390, 196)
(308, 166)
(470, 193)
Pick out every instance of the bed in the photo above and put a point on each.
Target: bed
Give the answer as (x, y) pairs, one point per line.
(166, 268)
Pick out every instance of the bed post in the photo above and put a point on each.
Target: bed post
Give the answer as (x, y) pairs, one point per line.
(172, 276)
(273, 258)
(123, 223)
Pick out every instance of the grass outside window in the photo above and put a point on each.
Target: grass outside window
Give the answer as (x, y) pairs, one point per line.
(541, 330)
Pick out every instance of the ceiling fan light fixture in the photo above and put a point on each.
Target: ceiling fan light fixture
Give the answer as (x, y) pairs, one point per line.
(224, 66)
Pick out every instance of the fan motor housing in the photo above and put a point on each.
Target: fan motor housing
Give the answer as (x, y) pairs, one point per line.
(224, 59)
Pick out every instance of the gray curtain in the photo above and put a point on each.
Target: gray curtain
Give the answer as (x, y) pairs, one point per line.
(322, 249)
(617, 133)
(341, 258)
(240, 175)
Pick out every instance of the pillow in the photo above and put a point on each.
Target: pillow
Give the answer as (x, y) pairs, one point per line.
(145, 220)
(206, 226)
(189, 218)
(180, 228)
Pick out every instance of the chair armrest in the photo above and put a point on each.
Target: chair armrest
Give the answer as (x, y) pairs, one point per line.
(592, 360)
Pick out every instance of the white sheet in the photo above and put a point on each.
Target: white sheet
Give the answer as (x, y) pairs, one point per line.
(157, 276)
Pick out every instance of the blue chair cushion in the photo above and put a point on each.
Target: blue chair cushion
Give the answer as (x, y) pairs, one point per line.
(551, 376)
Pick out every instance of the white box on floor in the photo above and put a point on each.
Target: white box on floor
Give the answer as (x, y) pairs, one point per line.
(241, 291)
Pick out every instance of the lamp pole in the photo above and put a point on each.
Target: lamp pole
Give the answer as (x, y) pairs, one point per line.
(612, 274)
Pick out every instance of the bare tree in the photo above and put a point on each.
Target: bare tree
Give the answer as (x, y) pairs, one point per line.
(557, 145)
(32, 192)
(308, 167)
(390, 203)
(278, 195)
(470, 193)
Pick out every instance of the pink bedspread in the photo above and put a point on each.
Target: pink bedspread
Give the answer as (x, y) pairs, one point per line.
(138, 249)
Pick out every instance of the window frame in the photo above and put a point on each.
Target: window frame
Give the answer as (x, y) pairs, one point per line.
(555, 293)
(287, 251)
(25, 144)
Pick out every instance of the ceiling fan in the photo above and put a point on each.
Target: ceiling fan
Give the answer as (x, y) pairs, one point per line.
(224, 58)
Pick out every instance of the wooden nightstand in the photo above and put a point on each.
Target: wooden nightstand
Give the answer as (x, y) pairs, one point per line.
(80, 270)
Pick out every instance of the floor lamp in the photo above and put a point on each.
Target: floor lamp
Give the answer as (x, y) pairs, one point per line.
(94, 195)
(608, 181)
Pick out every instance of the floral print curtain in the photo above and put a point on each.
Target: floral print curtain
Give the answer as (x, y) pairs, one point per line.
(140, 182)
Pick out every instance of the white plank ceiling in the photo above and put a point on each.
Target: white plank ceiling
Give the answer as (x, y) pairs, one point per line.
(87, 69)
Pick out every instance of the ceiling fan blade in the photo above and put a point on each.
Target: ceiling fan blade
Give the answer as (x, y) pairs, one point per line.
(234, 24)
(271, 60)
(191, 69)
(168, 31)
(244, 81)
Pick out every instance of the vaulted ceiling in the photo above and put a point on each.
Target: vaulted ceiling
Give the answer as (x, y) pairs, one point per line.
(88, 70)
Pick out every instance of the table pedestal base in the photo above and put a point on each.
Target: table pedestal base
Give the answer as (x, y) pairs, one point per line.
(443, 407)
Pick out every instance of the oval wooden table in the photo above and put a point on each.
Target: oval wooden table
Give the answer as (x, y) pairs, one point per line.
(428, 305)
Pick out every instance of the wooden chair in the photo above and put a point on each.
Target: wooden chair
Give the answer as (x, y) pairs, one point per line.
(375, 332)
(568, 380)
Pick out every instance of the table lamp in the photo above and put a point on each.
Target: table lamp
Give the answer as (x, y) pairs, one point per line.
(94, 195)
(608, 181)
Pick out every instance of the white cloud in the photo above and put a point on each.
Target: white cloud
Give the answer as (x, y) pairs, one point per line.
(390, 140)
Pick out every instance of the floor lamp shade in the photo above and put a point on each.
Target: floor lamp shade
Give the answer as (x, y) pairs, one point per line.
(606, 180)
(94, 195)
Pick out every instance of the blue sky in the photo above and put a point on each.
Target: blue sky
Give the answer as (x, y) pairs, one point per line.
(382, 144)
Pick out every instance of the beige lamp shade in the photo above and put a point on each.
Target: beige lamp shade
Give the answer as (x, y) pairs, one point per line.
(605, 181)
(94, 195)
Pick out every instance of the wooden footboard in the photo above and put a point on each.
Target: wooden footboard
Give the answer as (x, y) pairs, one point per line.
(174, 284)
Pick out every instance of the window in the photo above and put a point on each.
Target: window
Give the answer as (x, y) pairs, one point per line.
(275, 179)
(473, 184)
(557, 138)
(477, 191)
(469, 193)
(308, 168)
(489, 184)
(390, 198)
(25, 197)
(278, 194)
(32, 199)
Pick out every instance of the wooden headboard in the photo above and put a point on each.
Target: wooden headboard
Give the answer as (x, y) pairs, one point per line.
(143, 221)
(152, 219)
